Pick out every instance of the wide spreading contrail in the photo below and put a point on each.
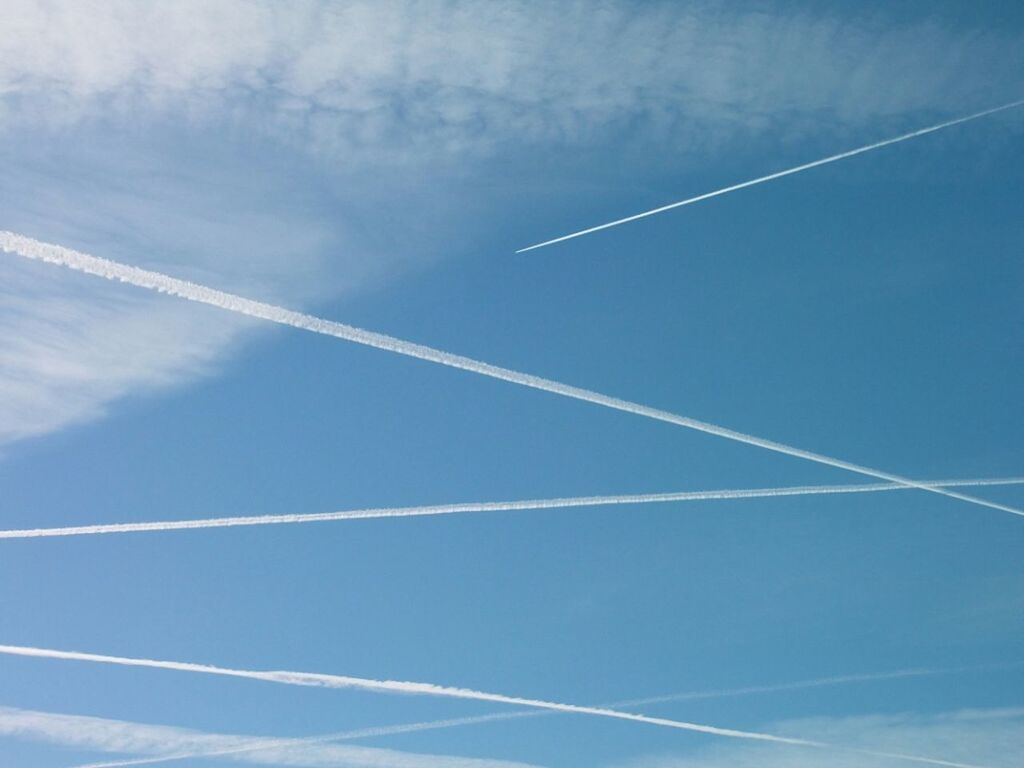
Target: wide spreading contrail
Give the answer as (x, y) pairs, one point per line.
(321, 680)
(156, 281)
(263, 744)
(776, 175)
(486, 506)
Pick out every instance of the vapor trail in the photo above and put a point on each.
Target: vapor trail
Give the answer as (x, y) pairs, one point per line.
(486, 506)
(395, 686)
(258, 745)
(776, 175)
(112, 270)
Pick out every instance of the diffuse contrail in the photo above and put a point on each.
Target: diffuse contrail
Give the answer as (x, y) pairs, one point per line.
(321, 680)
(485, 506)
(776, 175)
(112, 270)
(263, 744)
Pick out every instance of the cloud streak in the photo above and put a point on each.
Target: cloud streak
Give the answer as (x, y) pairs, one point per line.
(156, 281)
(487, 506)
(119, 736)
(259, 745)
(566, 74)
(71, 348)
(321, 680)
(120, 121)
(66, 353)
(776, 175)
(994, 736)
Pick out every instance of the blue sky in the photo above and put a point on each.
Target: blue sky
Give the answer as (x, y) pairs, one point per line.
(378, 165)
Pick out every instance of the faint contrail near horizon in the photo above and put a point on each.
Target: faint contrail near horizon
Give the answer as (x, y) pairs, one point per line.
(156, 281)
(486, 506)
(776, 175)
(320, 680)
(263, 744)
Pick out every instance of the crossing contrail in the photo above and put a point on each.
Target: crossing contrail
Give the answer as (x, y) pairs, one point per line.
(486, 506)
(321, 680)
(263, 744)
(156, 281)
(776, 175)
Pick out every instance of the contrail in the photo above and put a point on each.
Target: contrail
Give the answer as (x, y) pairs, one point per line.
(321, 680)
(258, 745)
(486, 506)
(776, 175)
(142, 278)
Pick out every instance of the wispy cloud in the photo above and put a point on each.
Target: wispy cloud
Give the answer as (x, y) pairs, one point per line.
(316, 679)
(259, 745)
(255, 749)
(774, 176)
(417, 81)
(991, 736)
(70, 348)
(161, 283)
(125, 737)
(488, 506)
(372, 86)
(66, 352)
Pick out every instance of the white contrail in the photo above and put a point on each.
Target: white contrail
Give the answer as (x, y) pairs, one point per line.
(112, 270)
(259, 745)
(486, 506)
(321, 680)
(815, 682)
(776, 175)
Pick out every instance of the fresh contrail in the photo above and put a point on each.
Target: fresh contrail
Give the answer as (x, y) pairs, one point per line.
(260, 745)
(486, 506)
(321, 680)
(112, 270)
(776, 175)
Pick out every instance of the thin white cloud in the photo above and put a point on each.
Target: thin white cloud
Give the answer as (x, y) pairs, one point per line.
(374, 85)
(255, 749)
(161, 283)
(320, 680)
(774, 176)
(70, 349)
(316, 679)
(66, 352)
(487, 506)
(119, 736)
(421, 81)
(259, 745)
(991, 736)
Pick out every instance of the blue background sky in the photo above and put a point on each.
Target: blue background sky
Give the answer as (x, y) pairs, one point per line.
(378, 166)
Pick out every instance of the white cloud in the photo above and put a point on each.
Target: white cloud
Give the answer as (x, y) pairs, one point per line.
(992, 737)
(69, 347)
(125, 737)
(87, 87)
(65, 352)
(419, 79)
